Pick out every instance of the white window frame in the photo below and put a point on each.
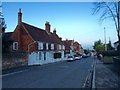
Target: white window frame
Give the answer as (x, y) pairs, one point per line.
(15, 43)
(60, 47)
(52, 46)
(63, 47)
(40, 46)
(46, 46)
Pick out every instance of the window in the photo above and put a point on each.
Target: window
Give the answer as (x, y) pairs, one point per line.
(44, 55)
(36, 55)
(40, 55)
(46, 46)
(15, 46)
(63, 47)
(60, 47)
(40, 47)
(57, 55)
(52, 46)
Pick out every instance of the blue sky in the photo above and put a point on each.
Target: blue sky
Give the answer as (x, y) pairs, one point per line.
(72, 20)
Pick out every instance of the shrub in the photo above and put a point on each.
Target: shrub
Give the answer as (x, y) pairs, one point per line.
(110, 53)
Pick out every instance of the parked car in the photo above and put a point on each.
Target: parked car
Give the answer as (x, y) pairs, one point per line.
(70, 58)
(84, 56)
(88, 55)
(76, 57)
(80, 57)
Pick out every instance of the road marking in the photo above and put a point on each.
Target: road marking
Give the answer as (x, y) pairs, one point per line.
(86, 79)
(14, 73)
(93, 81)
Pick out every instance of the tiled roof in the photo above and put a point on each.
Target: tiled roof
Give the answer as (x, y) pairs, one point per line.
(67, 46)
(41, 35)
(55, 38)
(76, 43)
(116, 42)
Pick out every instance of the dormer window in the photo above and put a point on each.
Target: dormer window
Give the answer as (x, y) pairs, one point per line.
(15, 46)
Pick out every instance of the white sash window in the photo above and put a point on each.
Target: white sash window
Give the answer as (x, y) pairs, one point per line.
(46, 46)
(60, 47)
(15, 46)
(40, 46)
(52, 46)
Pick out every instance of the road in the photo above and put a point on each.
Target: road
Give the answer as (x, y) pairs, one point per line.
(56, 75)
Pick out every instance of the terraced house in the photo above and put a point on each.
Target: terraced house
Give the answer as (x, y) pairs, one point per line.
(42, 45)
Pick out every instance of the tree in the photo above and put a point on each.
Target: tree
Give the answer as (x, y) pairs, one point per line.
(98, 46)
(97, 43)
(109, 10)
(5, 43)
(86, 51)
(2, 23)
(109, 46)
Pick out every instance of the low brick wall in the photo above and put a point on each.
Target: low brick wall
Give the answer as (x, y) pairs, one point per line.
(108, 59)
(11, 60)
(116, 62)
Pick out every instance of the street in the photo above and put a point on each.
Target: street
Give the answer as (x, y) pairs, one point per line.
(56, 75)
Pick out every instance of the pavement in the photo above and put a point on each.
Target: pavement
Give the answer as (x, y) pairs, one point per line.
(106, 76)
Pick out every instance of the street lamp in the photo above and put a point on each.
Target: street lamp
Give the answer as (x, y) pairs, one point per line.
(105, 39)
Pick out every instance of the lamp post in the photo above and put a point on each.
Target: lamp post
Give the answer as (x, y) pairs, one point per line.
(105, 38)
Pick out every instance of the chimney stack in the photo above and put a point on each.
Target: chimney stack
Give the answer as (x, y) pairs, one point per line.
(19, 17)
(47, 27)
(61, 38)
(54, 31)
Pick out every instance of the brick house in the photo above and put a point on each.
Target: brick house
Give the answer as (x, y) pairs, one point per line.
(116, 45)
(6, 42)
(68, 49)
(75, 47)
(42, 46)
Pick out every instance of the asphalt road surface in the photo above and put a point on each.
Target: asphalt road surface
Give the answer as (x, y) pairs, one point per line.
(56, 75)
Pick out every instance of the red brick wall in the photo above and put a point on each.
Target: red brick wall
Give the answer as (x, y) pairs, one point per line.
(33, 47)
(44, 46)
(55, 46)
(15, 34)
(23, 39)
(76, 47)
(11, 60)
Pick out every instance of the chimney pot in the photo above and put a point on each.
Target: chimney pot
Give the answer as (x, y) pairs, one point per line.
(20, 10)
(47, 26)
(61, 38)
(19, 17)
(54, 31)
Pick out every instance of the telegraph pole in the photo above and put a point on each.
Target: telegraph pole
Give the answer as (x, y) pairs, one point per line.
(105, 38)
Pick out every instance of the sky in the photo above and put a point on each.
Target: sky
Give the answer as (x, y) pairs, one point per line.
(72, 20)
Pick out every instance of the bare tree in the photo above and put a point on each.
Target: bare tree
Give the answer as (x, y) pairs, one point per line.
(2, 22)
(109, 10)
